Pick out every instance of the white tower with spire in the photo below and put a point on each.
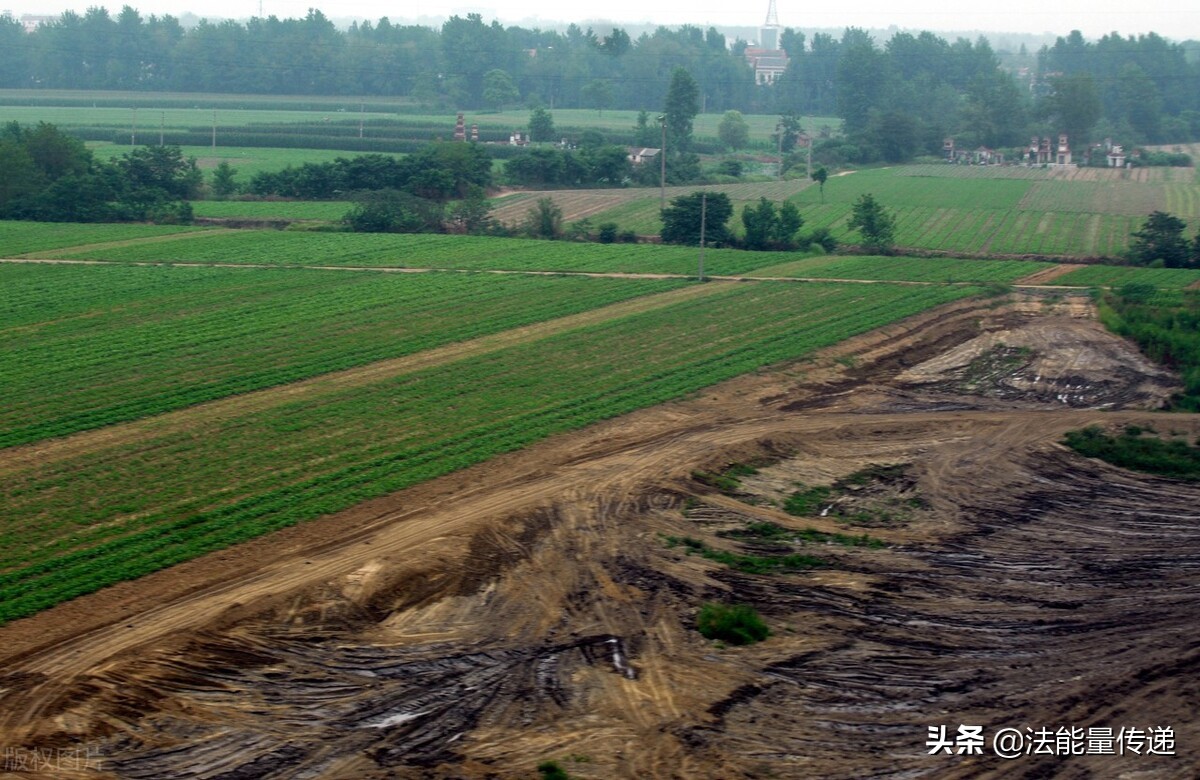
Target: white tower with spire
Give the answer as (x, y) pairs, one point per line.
(769, 34)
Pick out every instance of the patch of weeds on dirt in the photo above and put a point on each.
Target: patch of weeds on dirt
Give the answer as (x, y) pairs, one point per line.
(747, 564)
(807, 502)
(774, 532)
(736, 624)
(728, 481)
(874, 496)
(848, 361)
(550, 770)
(999, 361)
(1174, 458)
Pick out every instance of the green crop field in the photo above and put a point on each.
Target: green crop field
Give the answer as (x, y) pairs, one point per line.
(246, 161)
(97, 516)
(330, 211)
(904, 269)
(1115, 276)
(978, 210)
(430, 251)
(19, 238)
(118, 343)
(638, 209)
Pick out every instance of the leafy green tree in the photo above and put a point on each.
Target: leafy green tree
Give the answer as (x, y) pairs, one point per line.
(223, 182)
(544, 220)
(820, 176)
(598, 94)
(733, 130)
(895, 135)
(472, 215)
(1074, 107)
(1161, 239)
(394, 211)
(681, 219)
(644, 134)
(541, 125)
(789, 224)
(874, 223)
(162, 168)
(499, 89)
(761, 224)
(681, 106)
(787, 132)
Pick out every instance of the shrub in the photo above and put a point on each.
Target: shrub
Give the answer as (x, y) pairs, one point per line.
(606, 233)
(550, 770)
(736, 624)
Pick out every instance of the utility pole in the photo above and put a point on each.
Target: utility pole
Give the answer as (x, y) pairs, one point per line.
(779, 149)
(703, 216)
(662, 161)
(362, 106)
(214, 137)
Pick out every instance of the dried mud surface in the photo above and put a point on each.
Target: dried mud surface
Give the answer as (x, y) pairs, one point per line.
(541, 606)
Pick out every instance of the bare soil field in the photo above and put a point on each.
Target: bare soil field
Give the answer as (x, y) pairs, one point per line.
(539, 606)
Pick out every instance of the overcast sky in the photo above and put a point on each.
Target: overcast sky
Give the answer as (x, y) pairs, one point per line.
(1176, 19)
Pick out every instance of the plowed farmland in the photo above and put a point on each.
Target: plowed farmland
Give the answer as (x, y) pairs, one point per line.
(534, 607)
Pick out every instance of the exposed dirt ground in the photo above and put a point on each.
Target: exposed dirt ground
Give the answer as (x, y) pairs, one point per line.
(542, 605)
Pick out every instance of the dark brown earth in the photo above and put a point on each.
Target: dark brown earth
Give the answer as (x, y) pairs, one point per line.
(542, 606)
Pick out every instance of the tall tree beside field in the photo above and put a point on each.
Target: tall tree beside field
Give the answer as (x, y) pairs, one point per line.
(1073, 107)
(499, 89)
(681, 106)
(541, 125)
(682, 219)
(1160, 239)
(873, 222)
(733, 130)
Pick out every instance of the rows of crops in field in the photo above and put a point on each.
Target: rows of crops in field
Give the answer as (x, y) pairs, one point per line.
(1183, 200)
(18, 238)
(264, 209)
(904, 269)
(998, 231)
(1113, 197)
(75, 525)
(1049, 173)
(118, 343)
(607, 205)
(896, 190)
(1115, 276)
(429, 251)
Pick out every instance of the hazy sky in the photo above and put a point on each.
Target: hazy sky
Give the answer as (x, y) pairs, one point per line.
(1176, 19)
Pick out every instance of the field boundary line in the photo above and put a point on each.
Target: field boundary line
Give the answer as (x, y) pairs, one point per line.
(13, 459)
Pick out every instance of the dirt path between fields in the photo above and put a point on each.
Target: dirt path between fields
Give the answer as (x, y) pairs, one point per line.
(541, 606)
(196, 417)
(1049, 274)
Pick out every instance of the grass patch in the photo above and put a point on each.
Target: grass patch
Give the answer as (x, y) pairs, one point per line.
(808, 501)
(747, 564)
(727, 481)
(875, 495)
(1174, 458)
(767, 531)
(736, 624)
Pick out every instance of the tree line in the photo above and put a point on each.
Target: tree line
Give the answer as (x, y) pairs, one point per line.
(49, 176)
(896, 98)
